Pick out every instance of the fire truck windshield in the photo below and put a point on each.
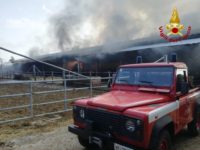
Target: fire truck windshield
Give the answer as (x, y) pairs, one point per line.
(152, 76)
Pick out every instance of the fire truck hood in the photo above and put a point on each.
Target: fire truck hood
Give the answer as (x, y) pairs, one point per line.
(122, 100)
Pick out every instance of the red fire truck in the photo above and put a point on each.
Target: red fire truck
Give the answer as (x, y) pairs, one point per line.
(148, 104)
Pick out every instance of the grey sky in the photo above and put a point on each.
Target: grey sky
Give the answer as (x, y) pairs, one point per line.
(24, 23)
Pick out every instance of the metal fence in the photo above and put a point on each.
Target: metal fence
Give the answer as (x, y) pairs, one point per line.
(20, 100)
(45, 75)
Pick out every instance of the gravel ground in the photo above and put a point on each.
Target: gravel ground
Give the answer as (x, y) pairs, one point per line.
(61, 139)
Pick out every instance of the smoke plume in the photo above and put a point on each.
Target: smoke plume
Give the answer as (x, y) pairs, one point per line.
(95, 22)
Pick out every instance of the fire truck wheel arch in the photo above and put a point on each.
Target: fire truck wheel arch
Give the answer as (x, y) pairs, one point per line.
(165, 122)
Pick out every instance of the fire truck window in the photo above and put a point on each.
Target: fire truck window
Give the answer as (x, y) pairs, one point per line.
(146, 76)
(180, 78)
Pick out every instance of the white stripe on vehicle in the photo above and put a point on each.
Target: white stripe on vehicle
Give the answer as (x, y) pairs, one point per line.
(162, 111)
(196, 95)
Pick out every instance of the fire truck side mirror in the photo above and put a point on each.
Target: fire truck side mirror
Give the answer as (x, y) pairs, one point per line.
(111, 80)
(184, 87)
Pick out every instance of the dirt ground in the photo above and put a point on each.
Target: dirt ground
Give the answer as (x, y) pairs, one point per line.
(54, 135)
(59, 139)
(47, 133)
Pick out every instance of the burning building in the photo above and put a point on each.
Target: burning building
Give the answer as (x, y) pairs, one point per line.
(99, 59)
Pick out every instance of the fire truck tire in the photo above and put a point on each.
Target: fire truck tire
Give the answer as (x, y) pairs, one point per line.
(85, 143)
(163, 142)
(194, 126)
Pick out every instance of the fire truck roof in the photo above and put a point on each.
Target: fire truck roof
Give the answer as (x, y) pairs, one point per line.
(179, 65)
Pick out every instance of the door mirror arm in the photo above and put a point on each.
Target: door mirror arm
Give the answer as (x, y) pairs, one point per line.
(184, 88)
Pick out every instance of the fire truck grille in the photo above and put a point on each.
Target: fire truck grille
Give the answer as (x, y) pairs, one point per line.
(104, 121)
(108, 122)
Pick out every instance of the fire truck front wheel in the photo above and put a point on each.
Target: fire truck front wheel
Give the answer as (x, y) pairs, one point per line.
(163, 142)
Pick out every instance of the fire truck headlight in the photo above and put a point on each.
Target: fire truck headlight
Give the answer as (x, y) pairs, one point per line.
(130, 126)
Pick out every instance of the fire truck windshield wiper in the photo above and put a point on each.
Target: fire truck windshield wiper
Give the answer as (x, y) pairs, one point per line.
(147, 82)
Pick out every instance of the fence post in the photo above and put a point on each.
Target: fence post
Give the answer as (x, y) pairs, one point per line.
(65, 90)
(91, 89)
(44, 75)
(109, 74)
(52, 74)
(31, 98)
(34, 72)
